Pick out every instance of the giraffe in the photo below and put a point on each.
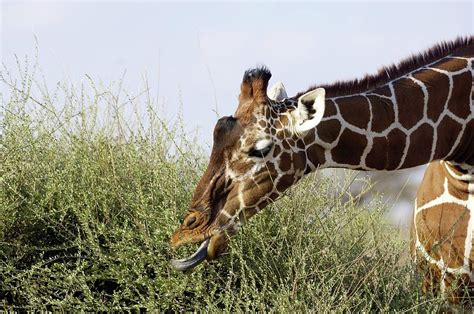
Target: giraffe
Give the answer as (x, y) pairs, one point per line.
(420, 111)
(443, 251)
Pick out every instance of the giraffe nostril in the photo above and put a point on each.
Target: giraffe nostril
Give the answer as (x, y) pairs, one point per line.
(189, 221)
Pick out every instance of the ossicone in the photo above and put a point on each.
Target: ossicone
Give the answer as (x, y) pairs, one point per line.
(254, 84)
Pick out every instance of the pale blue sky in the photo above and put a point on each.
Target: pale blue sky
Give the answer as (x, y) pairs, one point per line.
(201, 49)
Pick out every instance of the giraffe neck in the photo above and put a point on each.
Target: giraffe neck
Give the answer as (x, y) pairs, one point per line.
(425, 115)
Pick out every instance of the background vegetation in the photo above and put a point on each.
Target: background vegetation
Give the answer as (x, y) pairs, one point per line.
(93, 182)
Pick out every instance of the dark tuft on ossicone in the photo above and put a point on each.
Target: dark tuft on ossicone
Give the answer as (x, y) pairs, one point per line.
(261, 72)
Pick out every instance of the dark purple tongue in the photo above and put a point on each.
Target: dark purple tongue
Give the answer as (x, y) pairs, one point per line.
(193, 260)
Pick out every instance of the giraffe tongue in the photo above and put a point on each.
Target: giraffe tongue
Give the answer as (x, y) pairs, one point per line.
(193, 260)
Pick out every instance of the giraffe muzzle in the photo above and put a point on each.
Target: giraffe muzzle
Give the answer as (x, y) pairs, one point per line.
(193, 260)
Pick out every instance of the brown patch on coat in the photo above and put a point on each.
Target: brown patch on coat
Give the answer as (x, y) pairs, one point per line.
(350, 148)
(387, 151)
(464, 153)
(383, 113)
(409, 96)
(330, 108)
(396, 139)
(442, 231)
(437, 85)
(450, 65)
(432, 184)
(374, 158)
(458, 189)
(276, 150)
(285, 182)
(355, 110)
(299, 161)
(448, 131)
(316, 154)
(460, 95)
(328, 131)
(286, 161)
(420, 146)
(310, 137)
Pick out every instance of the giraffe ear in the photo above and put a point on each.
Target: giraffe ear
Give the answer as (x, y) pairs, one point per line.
(310, 110)
(277, 92)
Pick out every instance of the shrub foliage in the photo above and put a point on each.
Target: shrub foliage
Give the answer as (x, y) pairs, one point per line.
(93, 182)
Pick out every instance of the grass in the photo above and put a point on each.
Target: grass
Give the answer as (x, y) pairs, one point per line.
(91, 190)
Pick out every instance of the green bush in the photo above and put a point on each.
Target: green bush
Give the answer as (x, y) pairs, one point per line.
(89, 199)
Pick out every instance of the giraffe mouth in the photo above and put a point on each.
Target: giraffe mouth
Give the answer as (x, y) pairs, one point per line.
(192, 261)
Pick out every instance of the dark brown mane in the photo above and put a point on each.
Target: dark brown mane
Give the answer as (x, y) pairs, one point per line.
(388, 73)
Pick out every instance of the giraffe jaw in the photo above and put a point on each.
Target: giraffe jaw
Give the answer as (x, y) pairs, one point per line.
(193, 260)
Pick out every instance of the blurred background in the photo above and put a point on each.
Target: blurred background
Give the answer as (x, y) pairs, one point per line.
(191, 56)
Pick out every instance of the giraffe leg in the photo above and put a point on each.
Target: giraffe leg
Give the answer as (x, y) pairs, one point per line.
(430, 275)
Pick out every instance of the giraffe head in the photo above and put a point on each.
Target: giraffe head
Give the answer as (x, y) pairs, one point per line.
(257, 154)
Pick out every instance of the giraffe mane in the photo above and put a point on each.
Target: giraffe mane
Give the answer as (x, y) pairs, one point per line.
(393, 71)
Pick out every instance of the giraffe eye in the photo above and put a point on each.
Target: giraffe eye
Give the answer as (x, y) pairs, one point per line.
(261, 149)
